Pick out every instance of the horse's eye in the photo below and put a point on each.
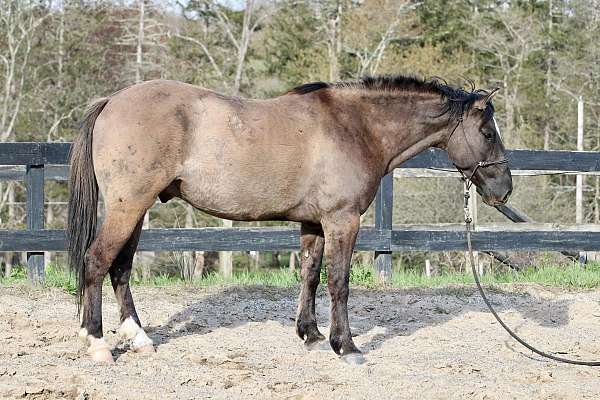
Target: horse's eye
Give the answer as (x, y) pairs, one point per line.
(489, 135)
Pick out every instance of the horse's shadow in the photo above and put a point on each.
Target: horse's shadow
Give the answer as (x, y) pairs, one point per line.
(411, 310)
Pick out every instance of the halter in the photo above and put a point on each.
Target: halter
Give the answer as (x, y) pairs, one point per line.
(477, 165)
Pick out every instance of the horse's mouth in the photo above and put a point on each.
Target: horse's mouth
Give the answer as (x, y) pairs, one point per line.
(494, 201)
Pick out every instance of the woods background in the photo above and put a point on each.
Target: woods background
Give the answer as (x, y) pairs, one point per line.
(56, 56)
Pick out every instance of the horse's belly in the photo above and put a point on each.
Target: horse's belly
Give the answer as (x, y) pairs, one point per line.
(234, 202)
(247, 191)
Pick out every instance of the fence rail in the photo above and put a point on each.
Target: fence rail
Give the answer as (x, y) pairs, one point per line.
(400, 238)
(48, 161)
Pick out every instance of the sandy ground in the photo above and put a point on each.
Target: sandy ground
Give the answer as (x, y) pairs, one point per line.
(240, 343)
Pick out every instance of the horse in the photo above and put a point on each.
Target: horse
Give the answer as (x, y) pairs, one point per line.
(313, 155)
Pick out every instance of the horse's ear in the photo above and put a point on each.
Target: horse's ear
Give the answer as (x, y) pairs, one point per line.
(481, 103)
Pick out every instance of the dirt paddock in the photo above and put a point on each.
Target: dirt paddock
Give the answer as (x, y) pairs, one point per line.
(239, 342)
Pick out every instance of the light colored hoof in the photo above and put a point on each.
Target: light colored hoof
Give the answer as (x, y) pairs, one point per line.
(99, 350)
(353, 359)
(148, 348)
(318, 345)
(103, 356)
(140, 342)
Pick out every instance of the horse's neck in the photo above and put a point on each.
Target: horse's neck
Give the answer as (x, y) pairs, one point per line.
(416, 142)
(405, 124)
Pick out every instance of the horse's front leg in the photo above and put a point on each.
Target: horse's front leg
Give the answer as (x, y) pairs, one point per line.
(341, 230)
(311, 254)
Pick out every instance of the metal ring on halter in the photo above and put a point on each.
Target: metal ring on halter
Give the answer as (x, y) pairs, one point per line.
(480, 164)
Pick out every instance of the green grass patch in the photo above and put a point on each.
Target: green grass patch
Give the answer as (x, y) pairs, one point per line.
(570, 276)
(275, 277)
(55, 277)
(566, 276)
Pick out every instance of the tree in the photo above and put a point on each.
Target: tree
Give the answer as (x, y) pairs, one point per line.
(374, 27)
(507, 38)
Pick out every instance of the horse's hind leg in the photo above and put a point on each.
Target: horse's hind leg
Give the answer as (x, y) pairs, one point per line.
(118, 227)
(311, 254)
(120, 272)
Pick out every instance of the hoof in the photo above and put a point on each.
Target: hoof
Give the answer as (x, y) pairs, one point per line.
(318, 345)
(103, 356)
(99, 350)
(148, 348)
(353, 359)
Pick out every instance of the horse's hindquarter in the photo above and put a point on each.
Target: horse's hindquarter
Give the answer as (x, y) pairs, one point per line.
(138, 141)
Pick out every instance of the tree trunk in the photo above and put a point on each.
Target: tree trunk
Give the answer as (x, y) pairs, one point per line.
(254, 260)
(198, 264)
(188, 265)
(146, 257)
(140, 42)
(510, 136)
(243, 46)
(226, 257)
(11, 222)
(8, 264)
(49, 220)
(292, 264)
(597, 191)
(334, 43)
(547, 122)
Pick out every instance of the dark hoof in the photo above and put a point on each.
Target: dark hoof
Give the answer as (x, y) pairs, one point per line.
(318, 345)
(353, 359)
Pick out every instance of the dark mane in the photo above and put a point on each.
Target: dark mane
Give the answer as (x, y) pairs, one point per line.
(457, 101)
(309, 87)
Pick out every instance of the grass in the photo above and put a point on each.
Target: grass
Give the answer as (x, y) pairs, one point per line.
(570, 276)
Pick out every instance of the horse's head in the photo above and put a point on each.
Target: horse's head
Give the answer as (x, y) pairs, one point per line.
(476, 148)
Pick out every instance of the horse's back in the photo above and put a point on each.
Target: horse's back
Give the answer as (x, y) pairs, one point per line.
(237, 158)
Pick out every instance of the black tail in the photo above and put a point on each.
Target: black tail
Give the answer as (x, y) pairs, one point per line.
(83, 198)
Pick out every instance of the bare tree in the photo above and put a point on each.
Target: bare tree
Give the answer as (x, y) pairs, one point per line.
(374, 26)
(330, 14)
(509, 47)
(143, 41)
(18, 24)
(334, 40)
(236, 38)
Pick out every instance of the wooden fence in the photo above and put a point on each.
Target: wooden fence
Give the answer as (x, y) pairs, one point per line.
(35, 162)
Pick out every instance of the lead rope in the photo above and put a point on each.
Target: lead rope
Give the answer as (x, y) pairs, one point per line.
(468, 221)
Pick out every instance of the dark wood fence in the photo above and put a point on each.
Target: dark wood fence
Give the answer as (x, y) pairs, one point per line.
(35, 162)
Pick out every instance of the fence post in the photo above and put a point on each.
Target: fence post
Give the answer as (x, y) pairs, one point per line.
(34, 182)
(579, 178)
(383, 221)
